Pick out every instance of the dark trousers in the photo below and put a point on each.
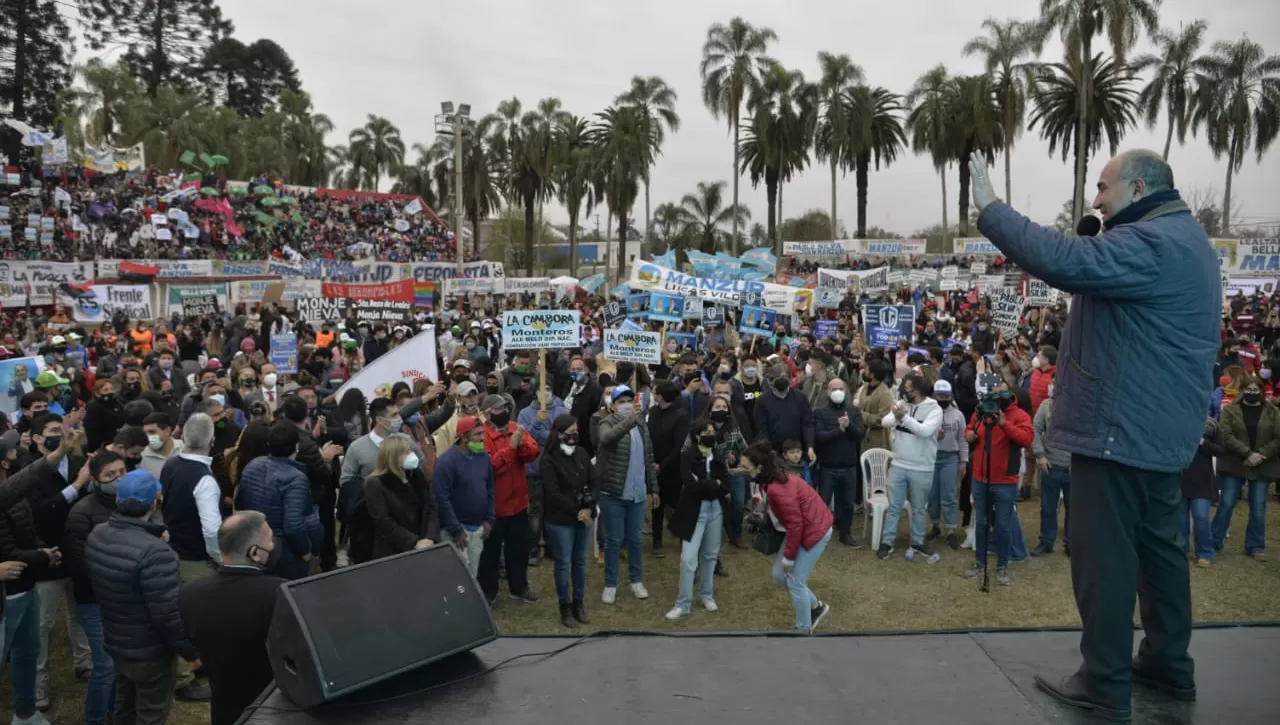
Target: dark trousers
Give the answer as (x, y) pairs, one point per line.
(1054, 483)
(838, 488)
(966, 491)
(535, 515)
(144, 691)
(1124, 531)
(329, 547)
(669, 493)
(509, 539)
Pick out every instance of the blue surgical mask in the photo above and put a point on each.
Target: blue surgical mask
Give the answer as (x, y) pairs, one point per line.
(219, 399)
(396, 423)
(578, 375)
(413, 419)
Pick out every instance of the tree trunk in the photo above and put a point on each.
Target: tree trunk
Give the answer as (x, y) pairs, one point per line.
(155, 74)
(622, 248)
(964, 195)
(1008, 175)
(537, 230)
(1226, 195)
(946, 229)
(646, 249)
(778, 240)
(860, 180)
(1085, 91)
(608, 246)
(573, 245)
(528, 235)
(18, 100)
(733, 243)
(1168, 138)
(771, 198)
(833, 197)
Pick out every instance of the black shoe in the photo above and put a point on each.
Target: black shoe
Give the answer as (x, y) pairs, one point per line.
(1149, 677)
(534, 558)
(934, 533)
(1066, 550)
(720, 570)
(658, 553)
(954, 541)
(924, 550)
(848, 540)
(884, 551)
(1041, 550)
(1073, 691)
(193, 691)
(580, 612)
(566, 617)
(527, 596)
(816, 614)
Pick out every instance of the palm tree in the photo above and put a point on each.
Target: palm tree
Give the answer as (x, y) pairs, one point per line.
(305, 133)
(1003, 47)
(704, 214)
(108, 92)
(975, 127)
(788, 106)
(166, 124)
(733, 56)
(833, 135)
(541, 140)
(572, 176)
(928, 124)
(1078, 21)
(623, 151)
(876, 135)
(380, 145)
(669, 223)
(1110, 106)
(1240, 101)
(1172, 86)
(655, 101)
(504, 127)
(416, 178)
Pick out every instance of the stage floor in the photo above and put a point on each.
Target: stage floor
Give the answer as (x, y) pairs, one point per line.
(957, 679)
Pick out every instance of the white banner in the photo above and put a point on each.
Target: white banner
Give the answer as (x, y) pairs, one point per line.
(252, 291)
(893, 247)
(646, 276)
(530, 285)
(42, 279)
(856, 281)
(969, 246)
(1006, 311)
(634, 346)
(1259, 257)
(838, 248)
(133, 299)
(413, 361)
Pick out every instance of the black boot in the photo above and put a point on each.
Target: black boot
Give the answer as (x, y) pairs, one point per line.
(566, 617)
(580, 612)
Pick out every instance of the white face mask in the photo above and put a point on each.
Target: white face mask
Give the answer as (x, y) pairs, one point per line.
(837, 396)
(1050, 390)
(625, 409)
(410, 461)
(1036, 363)
(269, 380)
(154, 442)
(749, 372)
(1265, 373)
(808, 369)
(568, 449)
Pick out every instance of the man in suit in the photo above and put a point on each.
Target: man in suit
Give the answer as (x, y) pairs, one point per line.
(227, 615)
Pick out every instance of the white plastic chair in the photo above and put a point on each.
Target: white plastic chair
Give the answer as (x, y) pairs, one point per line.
(875, 490)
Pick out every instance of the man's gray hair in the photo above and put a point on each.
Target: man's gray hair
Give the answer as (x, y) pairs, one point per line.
(197, 434)
(1148, 166)
(239, 533)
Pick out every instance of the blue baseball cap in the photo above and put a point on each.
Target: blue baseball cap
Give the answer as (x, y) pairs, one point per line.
(137, 488)
(620, 391)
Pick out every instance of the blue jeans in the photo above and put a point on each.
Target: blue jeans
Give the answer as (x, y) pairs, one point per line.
(1054, 484)
(622, 520)
(839, 488)
(22, 646)
(1255, 534)
(100, 698)
(1004, 496)
(942, 497)
(919, 483)
(1195, 515)
(797, 581)
(704, 547)
(569, 550)
(738, 489)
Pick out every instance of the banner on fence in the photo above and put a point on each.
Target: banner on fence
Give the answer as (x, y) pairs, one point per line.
(532, 329)
(527, 285)
(390, 311)
(177, 294)
(315, 310)
(401, 291)
(1249, 256)
(134, 300)
(631, 346)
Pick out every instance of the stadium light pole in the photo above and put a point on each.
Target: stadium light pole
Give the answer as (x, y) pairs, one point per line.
(455, 121)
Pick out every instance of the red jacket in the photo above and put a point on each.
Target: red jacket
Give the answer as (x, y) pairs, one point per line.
(1040, 380)
(800, 510)
(1006, 443)
(510, 486)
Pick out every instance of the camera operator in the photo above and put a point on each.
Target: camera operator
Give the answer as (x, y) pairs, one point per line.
(997, 434)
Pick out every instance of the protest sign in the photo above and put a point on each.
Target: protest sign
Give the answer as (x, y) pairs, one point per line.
(402, 291)
(315, 310)
(886, 325)
(827, 298)
(393, 311)
(666, 308)
(757, 321)
(1006, 311)
(638, 306)
(825, 329)
(635, 347)
(1040, 294)
(977, 269)
(615, 311)
(685, 340)
(199, 304)
(693, 311)
(284, 352)
(712, 315)
(530, 285)
(655, 278)
(134, 300)
(532, 329)
(410, 362)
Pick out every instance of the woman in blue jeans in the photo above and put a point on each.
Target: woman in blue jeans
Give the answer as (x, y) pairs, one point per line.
(794, 507)
(1251, 435)
(1199, 484)
(568, 508)
(729, 447)
(699, 515)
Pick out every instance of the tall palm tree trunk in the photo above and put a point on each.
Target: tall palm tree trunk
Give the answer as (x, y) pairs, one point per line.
(1168, 137)
(537, 230)
(608, 245)
(646, 249)
(733, 244)
(771, 195)
(622, 248)
(573, 245)
(946, 229)
(1082, 121)
(833, 197)
(779, 226)
(964, 195)
(1226, 195)
(860, 180)
(1008, 173)
(528, 236)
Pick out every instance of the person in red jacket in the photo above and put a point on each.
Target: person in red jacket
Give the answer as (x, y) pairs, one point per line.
(510, 449)
(795, 508)
(1045, 367)
(996, 444)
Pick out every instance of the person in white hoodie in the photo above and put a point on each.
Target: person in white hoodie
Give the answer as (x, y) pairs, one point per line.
(915, 422)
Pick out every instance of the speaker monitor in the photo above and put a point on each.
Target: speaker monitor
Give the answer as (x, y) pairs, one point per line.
(341, 631)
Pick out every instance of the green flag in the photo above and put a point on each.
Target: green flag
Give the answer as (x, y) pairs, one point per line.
(207, 160)
(187, 157)
(264, 219)
(193, 176)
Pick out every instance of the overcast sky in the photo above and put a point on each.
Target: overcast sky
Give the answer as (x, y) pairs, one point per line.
(401, 58)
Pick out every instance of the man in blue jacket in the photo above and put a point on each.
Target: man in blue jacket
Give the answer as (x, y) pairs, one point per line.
(1144, 317)
(277, 485)
(463, 487)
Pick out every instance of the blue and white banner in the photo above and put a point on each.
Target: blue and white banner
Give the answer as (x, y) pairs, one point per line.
(592, 283)
(652, 277)
(969, 246)
(532, 329)
(284, 352)
(885, 325)
(632, 346)
(666, 308)
(757, 321)
(638, 306)
(761, 257)
(826, 329)
(838, 248)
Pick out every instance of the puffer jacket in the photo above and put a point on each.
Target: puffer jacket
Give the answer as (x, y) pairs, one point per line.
(280, 489)
(1235, 437)
(88, 512)
(799, 510)
(135, 576)
(613, 452)
(1156, 280)
(19, 542)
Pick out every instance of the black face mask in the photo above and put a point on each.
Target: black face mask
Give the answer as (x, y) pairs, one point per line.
(719, 416)
(706, 441)
(945, 404)
(500, 420)
(781, 385)
(273, 557)
(491, 389)
(461, 377)
(1252, 398)
(569, 440)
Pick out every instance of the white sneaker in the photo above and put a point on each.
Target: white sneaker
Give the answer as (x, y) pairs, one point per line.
(676, 613)
(610, 595)
(709, 604)
(344, 560)
(37, 719)
(970, 540)
(639, 591)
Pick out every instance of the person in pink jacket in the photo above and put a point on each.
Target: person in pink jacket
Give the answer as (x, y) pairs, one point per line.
(794, 508)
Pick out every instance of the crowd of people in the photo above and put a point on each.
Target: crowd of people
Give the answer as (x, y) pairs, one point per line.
(101, 216)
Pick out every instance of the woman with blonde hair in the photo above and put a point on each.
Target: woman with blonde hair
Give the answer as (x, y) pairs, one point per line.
(402, 512)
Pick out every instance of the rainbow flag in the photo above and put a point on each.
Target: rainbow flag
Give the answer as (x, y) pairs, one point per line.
(424, 294)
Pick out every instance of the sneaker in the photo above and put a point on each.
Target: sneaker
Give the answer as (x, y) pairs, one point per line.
(534, 559)
(1002, 576)
(925, 553)
(975, 570)
(638, 590)
(527, 596)
(42, 700)
(709, 604)
(953, 541)
(884, 551)
(934, 533)
(676, 613)
(720, 570)
(193, 691)
(1041, 550)
(1204, 563)
(817, 614)
(1258, 556)
(658, 553)
(343, 560)
(848, 540)
(970, 540)
(35, 719)
(609, 595)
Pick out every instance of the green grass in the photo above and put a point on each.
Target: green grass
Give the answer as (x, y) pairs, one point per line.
(866, 595)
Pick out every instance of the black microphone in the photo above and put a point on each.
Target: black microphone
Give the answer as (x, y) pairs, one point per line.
(1088, 226)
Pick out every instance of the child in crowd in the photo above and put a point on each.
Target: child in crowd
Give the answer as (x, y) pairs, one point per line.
(796, 464)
